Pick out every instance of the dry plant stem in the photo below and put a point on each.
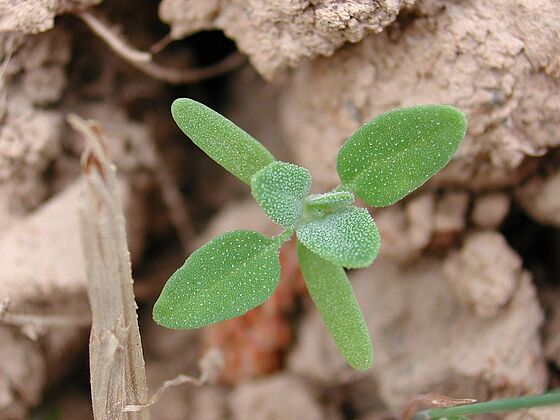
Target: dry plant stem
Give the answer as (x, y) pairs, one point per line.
(161, 44)
(117, 370)
(143, 60)
(117, 44)
(184, 76)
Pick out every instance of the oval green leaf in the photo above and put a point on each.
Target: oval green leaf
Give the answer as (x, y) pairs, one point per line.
(332, 294)
(395, 153)
(221, 139)
(230, 275)
(280, 189)
(348, 237)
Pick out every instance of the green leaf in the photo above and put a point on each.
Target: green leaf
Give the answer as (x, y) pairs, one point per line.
(221, 139)
(348, 237)
(280, 189)
(332, 294)
(330, 201)
(230, 275)
(395, 153)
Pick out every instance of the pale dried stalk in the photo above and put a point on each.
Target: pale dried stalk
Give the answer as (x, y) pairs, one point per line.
(117, 370)
(117, 44)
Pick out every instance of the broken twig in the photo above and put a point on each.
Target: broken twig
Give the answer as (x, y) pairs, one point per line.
(117, 370)
(122, 48)
(143, 60)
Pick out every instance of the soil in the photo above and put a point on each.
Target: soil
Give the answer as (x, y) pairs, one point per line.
(463, 300)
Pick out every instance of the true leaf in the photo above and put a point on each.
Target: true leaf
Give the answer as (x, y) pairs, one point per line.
(225, 278)
(331, 292)
(348, 237)
(330, 201)
(395, 153)
(280, 189)
(221, 139)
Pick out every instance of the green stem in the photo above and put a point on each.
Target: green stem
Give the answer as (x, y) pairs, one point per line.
(490, 406)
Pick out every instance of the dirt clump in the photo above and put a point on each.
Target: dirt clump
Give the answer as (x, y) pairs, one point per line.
(31, 130)
(277, 35)
(38, 15)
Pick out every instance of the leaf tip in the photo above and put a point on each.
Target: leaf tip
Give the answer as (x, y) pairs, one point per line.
(160, 315)
(179, 111)
(456, 117)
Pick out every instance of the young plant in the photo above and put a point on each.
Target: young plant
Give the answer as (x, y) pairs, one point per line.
(383, 161)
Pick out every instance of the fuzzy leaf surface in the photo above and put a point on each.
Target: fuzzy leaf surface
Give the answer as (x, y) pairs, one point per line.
(395, 153)
(330, 201)
(348, 237)
(332, 294)
(223, 279)
(221, 139)
(280, 189)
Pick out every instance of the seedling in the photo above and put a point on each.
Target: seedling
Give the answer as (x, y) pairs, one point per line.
(382, 162)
